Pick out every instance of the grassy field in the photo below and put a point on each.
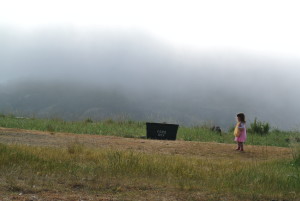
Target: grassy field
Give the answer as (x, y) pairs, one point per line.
(131, 129)
(75, 169)
(131, 175)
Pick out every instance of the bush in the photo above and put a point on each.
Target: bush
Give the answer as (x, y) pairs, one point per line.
(50, 128)
(109, 121)
(88, 120)
(259, 127)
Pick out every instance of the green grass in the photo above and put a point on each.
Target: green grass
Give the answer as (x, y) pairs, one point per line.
(35, 169)
(133, 129)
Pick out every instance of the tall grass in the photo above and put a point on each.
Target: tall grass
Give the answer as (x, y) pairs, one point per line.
(107, 127)
(295, 146)
(133, 129)
(35, 169)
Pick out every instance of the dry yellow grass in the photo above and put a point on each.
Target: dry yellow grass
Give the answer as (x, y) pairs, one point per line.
(197, 149)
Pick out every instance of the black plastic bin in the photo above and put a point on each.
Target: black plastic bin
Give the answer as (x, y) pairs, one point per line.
(161, 131)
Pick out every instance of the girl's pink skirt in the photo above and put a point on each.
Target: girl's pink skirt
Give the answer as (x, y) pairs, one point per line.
(241, 138)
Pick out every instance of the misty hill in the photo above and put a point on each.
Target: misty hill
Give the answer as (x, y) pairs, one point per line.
(73, 101)
(74, 76)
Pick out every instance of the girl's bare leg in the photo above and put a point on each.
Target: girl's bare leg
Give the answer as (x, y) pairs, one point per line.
(242, 146)
(239, 146)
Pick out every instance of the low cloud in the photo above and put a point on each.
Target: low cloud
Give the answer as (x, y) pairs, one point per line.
(75, 74)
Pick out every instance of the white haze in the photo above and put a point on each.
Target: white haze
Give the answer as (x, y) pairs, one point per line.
(52, 72)
(162, 60)
(266, 27)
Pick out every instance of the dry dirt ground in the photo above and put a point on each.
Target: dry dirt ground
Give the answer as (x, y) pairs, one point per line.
(185, 148)
(196, 149)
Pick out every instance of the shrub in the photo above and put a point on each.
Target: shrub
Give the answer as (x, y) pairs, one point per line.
(50, 128)
(259, 127)
(88, 120)
(109, 121)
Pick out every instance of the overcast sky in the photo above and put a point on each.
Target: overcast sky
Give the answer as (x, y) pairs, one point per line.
(261, 27)
(191, 55)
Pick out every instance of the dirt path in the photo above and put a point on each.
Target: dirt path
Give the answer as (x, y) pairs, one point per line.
(196, 149)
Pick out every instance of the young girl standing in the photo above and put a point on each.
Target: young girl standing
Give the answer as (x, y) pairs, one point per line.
(240, 132)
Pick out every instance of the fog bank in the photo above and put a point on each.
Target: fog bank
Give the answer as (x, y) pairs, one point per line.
(76, 74)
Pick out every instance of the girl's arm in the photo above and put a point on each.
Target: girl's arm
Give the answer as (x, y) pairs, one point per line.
(241, 127)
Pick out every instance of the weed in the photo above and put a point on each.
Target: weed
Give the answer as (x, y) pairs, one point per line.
(75, 148)
(259, 127)
(295, 146)
(50, 128)
(88, 120)
(109, 121)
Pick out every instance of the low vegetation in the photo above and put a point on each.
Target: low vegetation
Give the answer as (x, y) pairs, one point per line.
(259, 127)
(131, 175)
(131, 129)
(78, 168)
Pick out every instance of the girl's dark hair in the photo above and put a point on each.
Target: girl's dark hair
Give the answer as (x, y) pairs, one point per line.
(241, 116)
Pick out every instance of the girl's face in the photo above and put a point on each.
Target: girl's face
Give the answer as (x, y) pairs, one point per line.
(238, 119)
